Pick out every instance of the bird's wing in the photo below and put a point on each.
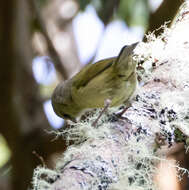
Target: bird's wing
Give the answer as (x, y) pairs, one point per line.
(91, 71)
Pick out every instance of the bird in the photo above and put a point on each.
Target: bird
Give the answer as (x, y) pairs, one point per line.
(112, 79)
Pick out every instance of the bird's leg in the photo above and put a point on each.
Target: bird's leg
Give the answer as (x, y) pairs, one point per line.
(120, 115)
(107, 103)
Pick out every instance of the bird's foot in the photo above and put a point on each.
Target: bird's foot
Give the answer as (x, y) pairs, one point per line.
(120, 114)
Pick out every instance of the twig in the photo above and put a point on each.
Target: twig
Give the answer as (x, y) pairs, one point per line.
(51, 49)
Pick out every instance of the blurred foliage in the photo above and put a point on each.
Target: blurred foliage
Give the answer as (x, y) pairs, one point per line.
(4, 151)
(133, 12)
(41, 3)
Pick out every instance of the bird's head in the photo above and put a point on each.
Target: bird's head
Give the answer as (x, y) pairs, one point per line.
(62, 102)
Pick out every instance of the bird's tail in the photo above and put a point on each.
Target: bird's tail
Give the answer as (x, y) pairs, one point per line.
(124, 63)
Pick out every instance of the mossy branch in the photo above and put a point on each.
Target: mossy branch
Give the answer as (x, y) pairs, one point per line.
(124, 153)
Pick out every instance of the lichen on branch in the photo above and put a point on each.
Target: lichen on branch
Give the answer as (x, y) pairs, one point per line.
(124, 153)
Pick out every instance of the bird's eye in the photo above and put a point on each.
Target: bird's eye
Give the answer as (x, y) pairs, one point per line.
(66, 116)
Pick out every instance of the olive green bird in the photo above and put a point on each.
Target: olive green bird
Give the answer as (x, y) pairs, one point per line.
(111, 79)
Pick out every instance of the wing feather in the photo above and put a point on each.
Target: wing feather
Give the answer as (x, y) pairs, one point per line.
(85, 88)
(89, 72)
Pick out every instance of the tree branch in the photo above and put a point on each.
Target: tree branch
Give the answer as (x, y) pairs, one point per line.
(52, 50)
(165, 12)
(125, 152)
